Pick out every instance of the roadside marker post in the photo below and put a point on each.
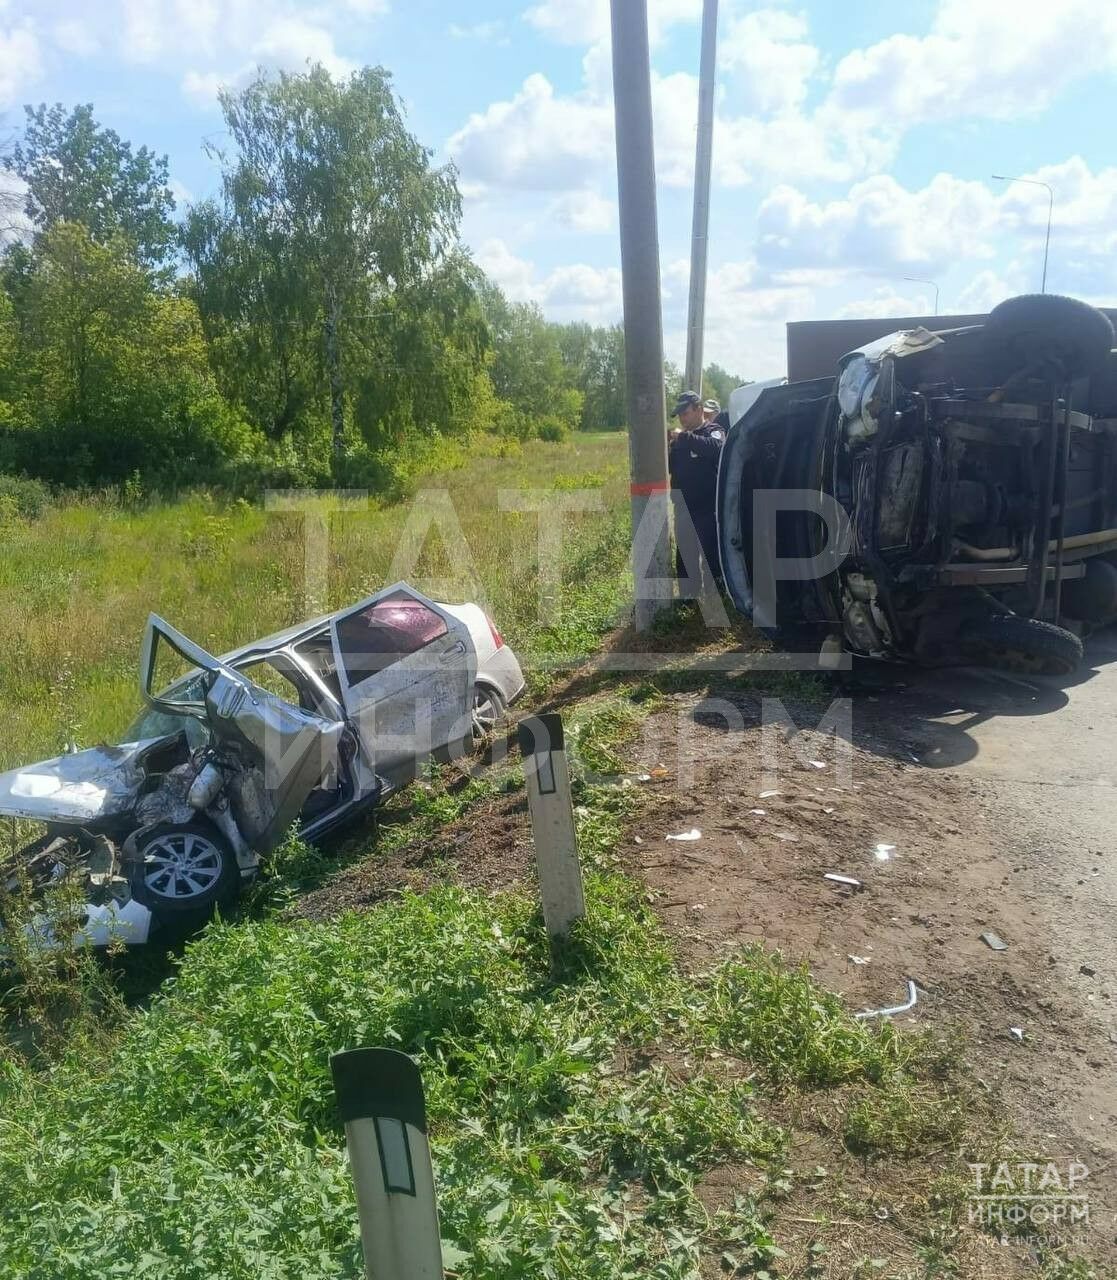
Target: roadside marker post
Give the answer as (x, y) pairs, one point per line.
(380, 1099)
(547, 778)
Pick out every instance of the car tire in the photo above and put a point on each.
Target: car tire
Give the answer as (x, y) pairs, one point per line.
(486, 713)
(1034, 325)
(1023, 645)
(184, 870)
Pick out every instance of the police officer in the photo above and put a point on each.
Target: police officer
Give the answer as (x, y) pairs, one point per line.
(692, 456)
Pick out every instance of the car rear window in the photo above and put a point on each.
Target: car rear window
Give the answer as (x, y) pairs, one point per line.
(373, 638)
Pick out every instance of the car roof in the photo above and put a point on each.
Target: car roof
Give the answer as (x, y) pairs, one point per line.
(280, 639)
(301, 630)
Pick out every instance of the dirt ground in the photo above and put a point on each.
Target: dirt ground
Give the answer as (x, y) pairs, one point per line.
(777, 810)
(931, 883)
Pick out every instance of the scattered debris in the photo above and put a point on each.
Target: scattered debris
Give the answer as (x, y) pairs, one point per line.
(995, 943)
(767, 795)
(1085, 969)
(759, 812)
(817, 764)
(692, 834)
(1017, 1033)
(637, 840)
(883, 852)
(787, 835)
(913, 995)
(860, 959)
(846, 880)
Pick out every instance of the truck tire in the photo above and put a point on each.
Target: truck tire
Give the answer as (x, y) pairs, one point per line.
(1033, 326)
(1025, 645)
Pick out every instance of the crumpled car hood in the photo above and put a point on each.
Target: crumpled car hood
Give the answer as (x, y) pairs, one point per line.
(77, 787)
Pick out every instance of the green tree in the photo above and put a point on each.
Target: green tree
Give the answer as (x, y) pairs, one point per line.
(261, 321)
(77, 171)
(328, 183)
(116, 374)
(720, 384)
(529, 373)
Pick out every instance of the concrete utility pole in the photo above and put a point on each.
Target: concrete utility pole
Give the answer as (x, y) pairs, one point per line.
(700, 230)
(643, 321)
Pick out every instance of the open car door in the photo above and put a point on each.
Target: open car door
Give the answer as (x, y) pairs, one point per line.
(406, 667)
(274, 752)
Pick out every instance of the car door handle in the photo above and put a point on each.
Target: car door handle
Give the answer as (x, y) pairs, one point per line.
(454, 652)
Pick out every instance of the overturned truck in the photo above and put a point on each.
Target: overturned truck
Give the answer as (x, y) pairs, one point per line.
(961, 486)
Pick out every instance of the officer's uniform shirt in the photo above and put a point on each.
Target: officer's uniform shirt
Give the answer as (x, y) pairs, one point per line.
(693, 462)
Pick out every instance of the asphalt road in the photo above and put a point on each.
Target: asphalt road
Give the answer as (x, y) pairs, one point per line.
(1044, 752)
(1038, 757)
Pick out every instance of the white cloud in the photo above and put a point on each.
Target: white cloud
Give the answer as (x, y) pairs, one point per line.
(587, 21)
(980, 58)
(537, 140)
(292, 42)
(571, 292)
(879, 227)
(20, 60)
(201, 87)
(484, 32)
(585, 211)
(72, 35)
(514, 275)
(772, 59)
(886, 301)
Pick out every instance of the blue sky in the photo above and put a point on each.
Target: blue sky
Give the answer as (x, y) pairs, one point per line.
(854, 143)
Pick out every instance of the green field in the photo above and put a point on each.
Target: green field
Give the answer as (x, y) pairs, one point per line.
(77, 583)
(602, 1115)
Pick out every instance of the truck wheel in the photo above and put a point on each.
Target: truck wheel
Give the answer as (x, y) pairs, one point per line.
(1036, 326)
(1025, 645)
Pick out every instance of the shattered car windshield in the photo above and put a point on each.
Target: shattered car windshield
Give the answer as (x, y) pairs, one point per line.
(153, 723)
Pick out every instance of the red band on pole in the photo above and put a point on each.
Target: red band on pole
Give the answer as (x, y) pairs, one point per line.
(644, 490)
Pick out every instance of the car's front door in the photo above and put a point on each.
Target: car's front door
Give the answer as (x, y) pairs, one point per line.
(274, 752)
(406, 667)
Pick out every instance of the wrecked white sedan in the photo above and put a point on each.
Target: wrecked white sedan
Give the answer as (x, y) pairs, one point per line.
(311, 725)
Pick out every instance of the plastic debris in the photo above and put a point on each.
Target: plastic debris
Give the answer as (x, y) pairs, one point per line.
(759, 812)
(1085, 969)
(692, 834)
(637, 840)
(829, 809)
(1017, 1033)
(767, 795)
(913, 995)
(992, 941)
(883, 852)
(846, 880)
(817, 764)
(860, 959)
(643, 777)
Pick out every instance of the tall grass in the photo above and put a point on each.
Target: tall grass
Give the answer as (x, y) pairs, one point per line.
(77, 582)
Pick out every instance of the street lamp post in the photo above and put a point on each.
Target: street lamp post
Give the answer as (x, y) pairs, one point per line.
(1035, 182)
(932, 283)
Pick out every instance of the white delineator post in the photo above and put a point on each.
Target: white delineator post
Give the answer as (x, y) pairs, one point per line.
(380, 1099)
(643, 321)
(547, 779)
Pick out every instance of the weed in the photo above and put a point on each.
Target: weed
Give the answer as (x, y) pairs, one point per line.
(767, 1012)
(904, 1118)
